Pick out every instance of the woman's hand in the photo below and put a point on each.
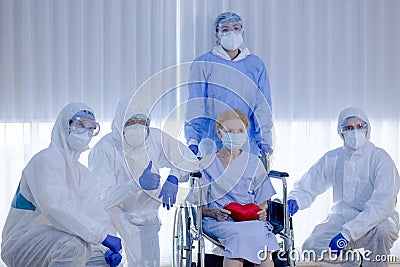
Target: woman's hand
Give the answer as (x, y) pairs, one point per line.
(262, 214)
(221, 214)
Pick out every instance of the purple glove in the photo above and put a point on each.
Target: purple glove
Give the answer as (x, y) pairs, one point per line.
(112, 258)
(149, 180)
(113, 243)
(265, 148)
(169, 191)
(194, 148)
(292, 207)
(338, 243)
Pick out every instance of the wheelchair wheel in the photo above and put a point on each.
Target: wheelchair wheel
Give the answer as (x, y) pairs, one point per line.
(182, 238)
(178, 239)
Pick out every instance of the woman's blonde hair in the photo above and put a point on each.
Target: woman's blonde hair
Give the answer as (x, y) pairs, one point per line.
(231, 114)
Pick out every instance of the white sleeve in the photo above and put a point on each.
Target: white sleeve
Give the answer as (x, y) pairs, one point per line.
(51, 193)
(102, 162)
(178, 158)
(313, 183)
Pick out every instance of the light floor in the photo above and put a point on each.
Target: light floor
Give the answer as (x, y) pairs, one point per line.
(312, 264)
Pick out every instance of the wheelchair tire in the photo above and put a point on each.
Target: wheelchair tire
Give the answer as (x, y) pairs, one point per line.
(178, 239)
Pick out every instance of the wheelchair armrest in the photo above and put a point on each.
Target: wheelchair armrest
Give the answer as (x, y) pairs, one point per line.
(276, 174)
(195, 174)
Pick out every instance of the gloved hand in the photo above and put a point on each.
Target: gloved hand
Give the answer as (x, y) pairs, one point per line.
(194, 148)
(292, 207)
(338, 243)
(168, 191)
(149, 180)
(113, 243)
(112, 258)
(265, 148)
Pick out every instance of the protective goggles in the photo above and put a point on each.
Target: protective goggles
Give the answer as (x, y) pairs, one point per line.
(358, 126)
(85, 124)
(226, 28)
(138, 119)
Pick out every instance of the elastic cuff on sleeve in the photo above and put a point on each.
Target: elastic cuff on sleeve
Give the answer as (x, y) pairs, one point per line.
(346, 234)
(193, 142)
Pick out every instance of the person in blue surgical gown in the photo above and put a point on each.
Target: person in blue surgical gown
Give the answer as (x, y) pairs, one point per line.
(365, 185)
(127, 162)
(228, 77)
(56, 215)
(234, 175)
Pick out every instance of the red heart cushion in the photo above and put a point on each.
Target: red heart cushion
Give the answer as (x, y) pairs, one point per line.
(241, 212)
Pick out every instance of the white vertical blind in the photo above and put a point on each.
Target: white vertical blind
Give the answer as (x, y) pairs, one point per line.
(322, 56)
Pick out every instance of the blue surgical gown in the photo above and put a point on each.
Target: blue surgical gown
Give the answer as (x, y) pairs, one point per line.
(216, 85)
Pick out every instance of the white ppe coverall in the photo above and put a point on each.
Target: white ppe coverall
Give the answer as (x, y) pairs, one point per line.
(56, 213)
(365, 185)
(135, 211)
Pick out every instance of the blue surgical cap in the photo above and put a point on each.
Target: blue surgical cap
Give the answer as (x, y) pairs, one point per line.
(224, 17)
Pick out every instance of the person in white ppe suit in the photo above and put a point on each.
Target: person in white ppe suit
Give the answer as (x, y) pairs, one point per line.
(127, 161)
(56, 215)
(365, 185)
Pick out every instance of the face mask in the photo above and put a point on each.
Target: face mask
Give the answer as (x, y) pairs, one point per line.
(231, 41)
(234, 141)
(79, 141)
(355, 139)
(135, 135)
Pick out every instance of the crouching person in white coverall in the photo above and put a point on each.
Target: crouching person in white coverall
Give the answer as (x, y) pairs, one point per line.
(127, 161)
(56, 214)
(365, 185)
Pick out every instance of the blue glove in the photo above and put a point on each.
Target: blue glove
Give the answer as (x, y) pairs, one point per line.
(292, 207)
(149, 180)
(194, 148)
(265, 148)
(168, 191)
(338, 243)
(113, 243)
(112, 259)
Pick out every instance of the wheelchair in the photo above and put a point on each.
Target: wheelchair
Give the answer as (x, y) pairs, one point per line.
(189, 240)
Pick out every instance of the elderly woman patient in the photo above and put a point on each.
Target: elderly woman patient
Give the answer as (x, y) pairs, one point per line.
(231, 179)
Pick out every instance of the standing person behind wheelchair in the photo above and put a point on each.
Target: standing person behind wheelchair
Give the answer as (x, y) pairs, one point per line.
(56, 214)
(131, 180)
(233, 175)
(365, 185)
(231, 75)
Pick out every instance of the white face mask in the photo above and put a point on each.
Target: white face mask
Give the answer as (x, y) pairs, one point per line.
(79, 141)
(355, 139)
(234, 141)
(135, 135)
(232, 41)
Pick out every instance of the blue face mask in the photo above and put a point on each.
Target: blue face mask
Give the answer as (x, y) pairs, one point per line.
(234, 141)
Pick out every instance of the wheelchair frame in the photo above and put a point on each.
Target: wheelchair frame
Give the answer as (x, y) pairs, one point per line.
(188, 231)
